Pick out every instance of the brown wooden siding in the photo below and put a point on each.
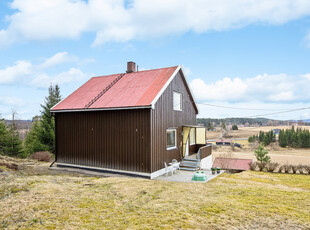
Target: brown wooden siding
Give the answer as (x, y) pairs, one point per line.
(164, 117)
(205, 151)
(118, 139)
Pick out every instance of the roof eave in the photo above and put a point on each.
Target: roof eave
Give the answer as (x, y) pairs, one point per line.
(167, 84)
(100, 109)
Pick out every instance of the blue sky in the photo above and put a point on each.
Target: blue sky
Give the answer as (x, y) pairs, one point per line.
(245, 54)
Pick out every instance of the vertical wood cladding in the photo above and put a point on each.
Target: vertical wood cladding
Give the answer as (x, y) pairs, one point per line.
(118, 139)
(164, 117)
(130, 139)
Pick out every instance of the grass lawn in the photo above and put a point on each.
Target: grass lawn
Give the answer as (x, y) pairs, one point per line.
(242, 201)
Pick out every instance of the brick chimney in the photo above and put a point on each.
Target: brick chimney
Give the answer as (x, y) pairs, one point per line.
(131, 67)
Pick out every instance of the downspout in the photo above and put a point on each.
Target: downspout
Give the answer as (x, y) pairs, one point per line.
(52, 163)
(53, 114)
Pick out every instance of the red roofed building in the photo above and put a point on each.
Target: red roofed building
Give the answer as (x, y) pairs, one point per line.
(232, 163)
(130, 122)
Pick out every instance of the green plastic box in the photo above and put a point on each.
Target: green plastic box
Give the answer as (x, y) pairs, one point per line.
(199, 176)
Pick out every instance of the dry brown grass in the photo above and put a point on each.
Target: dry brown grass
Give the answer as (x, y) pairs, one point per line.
(248, 200)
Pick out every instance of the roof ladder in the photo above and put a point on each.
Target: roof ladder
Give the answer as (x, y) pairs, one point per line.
(104, 91)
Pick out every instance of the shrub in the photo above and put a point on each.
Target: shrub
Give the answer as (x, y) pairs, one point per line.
(11, 166)
(271, 167)
(307, 168)
(294, 168)
(286, 168)
(301, 169)
(262, 166)
(42, 156)
(253, 166)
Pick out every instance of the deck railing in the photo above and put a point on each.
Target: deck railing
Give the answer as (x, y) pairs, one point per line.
(204, 151)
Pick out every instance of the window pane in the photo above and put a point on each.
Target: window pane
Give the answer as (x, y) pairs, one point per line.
(177, 101)
(170, 138)
(192, 136)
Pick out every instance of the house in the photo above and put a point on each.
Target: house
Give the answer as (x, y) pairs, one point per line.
(129, 123)
(276, 131)
(223, 142)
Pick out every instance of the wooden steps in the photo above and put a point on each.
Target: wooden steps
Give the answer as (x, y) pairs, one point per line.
(189, 164)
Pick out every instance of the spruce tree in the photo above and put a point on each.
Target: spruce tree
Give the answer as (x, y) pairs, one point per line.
(282, 138)
(46, 134)
(32, 142)
(261, 154)
(3, 137)
(14, 146)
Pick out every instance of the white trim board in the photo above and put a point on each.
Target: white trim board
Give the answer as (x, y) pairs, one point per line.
(168, 83)
(189, 88)
(146, 175)
(160, 172)
(129, 173)
(100, 109)
(165, 87)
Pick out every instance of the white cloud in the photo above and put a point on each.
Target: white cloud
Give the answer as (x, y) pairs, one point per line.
(26, 73)
(265, 88)
(111, 21)
(13, 73)
(57, 59)
(304, 115)
(267, 108)
(11, 101)
(226, 89)
(73, 75)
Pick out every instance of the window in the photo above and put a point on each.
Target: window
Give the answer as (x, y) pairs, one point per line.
(171, 139)
(192, 136)
(177, 101)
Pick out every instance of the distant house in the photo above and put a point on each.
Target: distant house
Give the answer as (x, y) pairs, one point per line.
(223, 142)
(276, 131)
(129, 122)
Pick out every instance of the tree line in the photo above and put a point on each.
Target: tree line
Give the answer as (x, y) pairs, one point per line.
(208, 122)
(299, 138)
(41, 137)
(296, 138)
(263, 137)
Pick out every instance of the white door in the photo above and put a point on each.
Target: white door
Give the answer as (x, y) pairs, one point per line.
(187, 148)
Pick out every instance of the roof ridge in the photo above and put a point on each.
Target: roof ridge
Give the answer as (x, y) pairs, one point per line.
(137, 71)
(104, 91)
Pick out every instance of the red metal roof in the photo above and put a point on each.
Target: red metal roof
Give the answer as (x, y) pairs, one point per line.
(232, 163)
(135, 89)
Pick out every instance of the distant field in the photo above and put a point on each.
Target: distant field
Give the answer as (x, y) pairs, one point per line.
(283, 156)
(277, 154)
(35, 199)
(245, 132)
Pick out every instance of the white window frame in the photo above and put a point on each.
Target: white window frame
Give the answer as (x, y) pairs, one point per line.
(181, 98)
(192, 142)
(175, 139)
